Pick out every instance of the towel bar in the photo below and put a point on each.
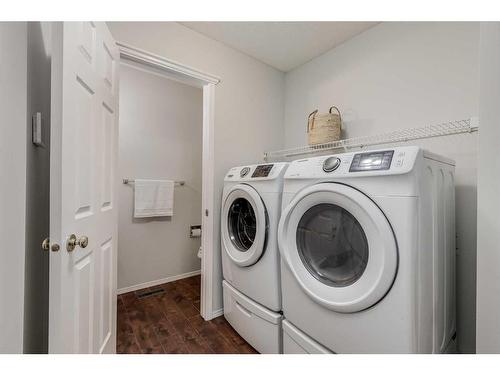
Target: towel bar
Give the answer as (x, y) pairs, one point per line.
(127, 181)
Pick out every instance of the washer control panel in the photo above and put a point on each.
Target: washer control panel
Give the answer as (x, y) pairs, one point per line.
(262, 170)
(331, 163)
(371, 161)
(257, 172)
(244, 171)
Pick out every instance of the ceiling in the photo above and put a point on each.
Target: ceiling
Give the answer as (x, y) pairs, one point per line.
(283, 45)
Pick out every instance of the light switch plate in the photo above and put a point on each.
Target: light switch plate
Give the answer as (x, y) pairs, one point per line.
(36, 127)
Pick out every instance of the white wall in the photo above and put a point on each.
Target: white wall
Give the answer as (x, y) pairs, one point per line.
(400, 75)
(36, 298)
(488, 230)
(13, 87)
(248, 101)
(160, 138)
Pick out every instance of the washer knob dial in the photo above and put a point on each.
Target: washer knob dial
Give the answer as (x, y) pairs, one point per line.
(244, 171)
(331, 163)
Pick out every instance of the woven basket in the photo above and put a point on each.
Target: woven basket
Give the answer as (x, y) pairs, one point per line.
(324, 127)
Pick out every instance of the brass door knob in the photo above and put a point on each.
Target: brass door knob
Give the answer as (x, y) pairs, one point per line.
(73, 242)
(83, 241)
(46, 244)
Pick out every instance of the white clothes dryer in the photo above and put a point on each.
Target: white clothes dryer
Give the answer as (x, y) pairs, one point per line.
(367, 243)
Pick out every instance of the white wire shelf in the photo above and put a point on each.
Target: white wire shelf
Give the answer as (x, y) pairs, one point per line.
(403, 135)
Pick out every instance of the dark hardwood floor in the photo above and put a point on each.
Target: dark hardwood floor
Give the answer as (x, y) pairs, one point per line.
(169, 322)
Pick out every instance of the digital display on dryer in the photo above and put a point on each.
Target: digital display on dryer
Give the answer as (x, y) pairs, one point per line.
(262, 170)
(371, 161)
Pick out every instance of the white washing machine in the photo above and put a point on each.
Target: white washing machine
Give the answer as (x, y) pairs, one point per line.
(367, 243)
(251, 208)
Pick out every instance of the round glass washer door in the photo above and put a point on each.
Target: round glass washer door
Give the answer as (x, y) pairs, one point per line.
(339, 246)
(244, 225)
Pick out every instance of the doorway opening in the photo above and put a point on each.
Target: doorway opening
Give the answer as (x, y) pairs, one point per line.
(166, 133)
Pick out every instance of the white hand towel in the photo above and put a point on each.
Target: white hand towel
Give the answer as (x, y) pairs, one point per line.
(153, 198)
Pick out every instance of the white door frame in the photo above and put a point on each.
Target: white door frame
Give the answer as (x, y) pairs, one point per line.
(488, 200)
(207, 82)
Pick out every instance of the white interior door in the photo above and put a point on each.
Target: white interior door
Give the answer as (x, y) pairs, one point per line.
(84, 136)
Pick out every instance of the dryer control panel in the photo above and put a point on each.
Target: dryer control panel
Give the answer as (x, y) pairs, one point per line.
(371, 161)
(397, 160)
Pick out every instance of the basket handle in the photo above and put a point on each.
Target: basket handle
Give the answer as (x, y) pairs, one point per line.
(309, 121)
(338, 111)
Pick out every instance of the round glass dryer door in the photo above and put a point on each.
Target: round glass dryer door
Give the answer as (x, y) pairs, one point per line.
(244, 225)
(332, 245)
(339, 246)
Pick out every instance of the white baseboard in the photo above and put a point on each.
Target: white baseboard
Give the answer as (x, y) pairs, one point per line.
(213, 314)
(157, 282)
(217, 313)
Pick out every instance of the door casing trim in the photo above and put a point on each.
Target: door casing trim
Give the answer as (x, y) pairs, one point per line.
(207, 82)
